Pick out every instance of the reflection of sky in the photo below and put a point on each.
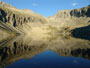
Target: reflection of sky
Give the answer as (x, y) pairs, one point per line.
(50, 59)
(48, 7)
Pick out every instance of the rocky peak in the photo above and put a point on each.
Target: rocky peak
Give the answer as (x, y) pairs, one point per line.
(6, 5)
(82, 12)
(63, 13)
(18, 17)
(27, 11)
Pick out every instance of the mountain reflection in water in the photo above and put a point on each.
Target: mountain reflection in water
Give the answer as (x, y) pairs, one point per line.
(46, 52)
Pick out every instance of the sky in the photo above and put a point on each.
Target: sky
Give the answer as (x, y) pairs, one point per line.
(48, 7)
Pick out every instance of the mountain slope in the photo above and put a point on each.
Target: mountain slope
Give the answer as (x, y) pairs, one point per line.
(82, 12)
(6, 5)
(26, 21)
(20, 19)
(68, 21)
(73, 18)
(17, 17)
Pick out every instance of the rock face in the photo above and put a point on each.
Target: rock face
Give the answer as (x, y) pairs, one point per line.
(64, 21)
(17, 17)
(74, 22)
(6, 5)
(82, 12)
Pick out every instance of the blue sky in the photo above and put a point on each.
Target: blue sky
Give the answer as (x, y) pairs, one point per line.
(48, 7)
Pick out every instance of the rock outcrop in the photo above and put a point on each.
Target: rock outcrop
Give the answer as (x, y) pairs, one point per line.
(6, 5)
(68, 20)
(82, 12)
(15, 17)
(64, 21)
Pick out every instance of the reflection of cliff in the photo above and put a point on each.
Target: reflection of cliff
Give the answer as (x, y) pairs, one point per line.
(69, 46)
(26, 47)
(84, 53)
(18, 50)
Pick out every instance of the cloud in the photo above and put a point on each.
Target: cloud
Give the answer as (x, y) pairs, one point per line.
(74, 4)
(35, 4)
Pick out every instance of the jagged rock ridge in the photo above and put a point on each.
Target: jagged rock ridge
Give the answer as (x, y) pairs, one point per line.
(21, 19)
(82, 12)
(6, 5)
(17, 17)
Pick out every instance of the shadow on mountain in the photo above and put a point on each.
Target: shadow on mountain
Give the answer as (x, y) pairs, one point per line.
(83, 33)
(84, 53)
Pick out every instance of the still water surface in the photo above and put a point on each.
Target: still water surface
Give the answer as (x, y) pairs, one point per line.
(45, 52)
(50, 59)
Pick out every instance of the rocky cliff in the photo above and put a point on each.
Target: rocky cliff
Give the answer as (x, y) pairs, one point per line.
(6, 5)
(15, 17)
(19, 20)
(69, 21)
(64, 21)
(82, 12)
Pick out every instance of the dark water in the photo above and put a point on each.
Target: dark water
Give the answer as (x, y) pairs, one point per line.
(51, 52)
(50, 59)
